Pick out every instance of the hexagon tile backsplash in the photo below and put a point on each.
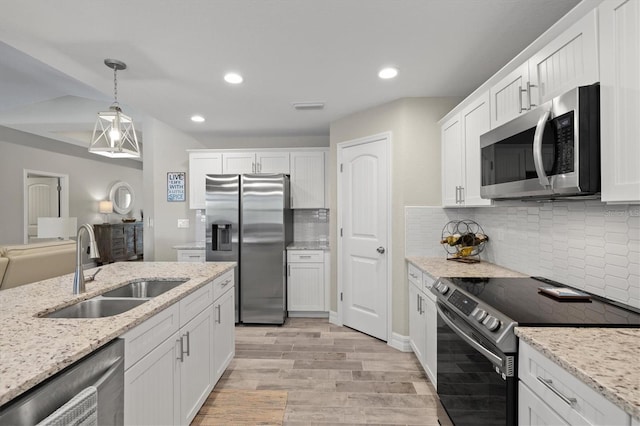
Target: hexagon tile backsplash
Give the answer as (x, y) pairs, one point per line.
(585, 244)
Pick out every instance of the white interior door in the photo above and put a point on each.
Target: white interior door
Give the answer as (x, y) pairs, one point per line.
(44, 201)
(364, 202)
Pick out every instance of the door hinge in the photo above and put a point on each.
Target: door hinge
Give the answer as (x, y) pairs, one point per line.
(341, 296)
(341, 168)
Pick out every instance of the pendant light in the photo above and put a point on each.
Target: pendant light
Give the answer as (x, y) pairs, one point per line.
(114, 135)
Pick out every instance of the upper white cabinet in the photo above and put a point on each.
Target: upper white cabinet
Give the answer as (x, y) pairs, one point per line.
(568, 61)
(307, 180)
(255, 162)
(620, 100)
(201, 164)
(461, 177)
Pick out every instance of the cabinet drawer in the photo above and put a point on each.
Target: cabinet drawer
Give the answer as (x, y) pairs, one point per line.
(305, 256)
(427, 282)
(223, 283)
(572, 399)
(140, 340)
(117, 231)
(195, 303)
(191, 256)
(415, 275)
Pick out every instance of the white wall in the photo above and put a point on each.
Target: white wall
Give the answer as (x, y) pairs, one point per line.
(89, 180)
(413, 123)
(584, 244)
(164, 152)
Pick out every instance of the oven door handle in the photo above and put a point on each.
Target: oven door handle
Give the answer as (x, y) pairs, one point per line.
(537, 149)
(495, 359)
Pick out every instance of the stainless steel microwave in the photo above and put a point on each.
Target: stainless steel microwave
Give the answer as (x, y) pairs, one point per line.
(552, 151)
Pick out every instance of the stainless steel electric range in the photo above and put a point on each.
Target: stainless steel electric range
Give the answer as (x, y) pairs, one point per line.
(478, 351)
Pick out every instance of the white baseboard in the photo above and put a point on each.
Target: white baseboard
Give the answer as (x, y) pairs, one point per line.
(307, 314)
(334, 318)
(400, 342)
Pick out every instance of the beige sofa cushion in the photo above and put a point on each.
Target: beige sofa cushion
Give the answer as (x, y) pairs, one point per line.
(36, 262)
(4, 262)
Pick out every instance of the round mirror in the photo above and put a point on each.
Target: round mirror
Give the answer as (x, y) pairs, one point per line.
(122, 197)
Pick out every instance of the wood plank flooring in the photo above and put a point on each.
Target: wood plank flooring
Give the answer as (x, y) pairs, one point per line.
(312, 372)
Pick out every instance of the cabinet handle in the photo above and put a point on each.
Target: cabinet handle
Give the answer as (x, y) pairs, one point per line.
(181, 352)
(418, 304)
(529, 86)
(462, 195)
(217, 314)
(549, 384)
(305, 256)
(259, 167)
(520, 91)
(188, 344)
(224, 284)
(412, 275)
(253, 167)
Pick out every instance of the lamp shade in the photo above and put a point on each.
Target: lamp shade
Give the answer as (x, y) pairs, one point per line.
(57, 227)
(105, 207)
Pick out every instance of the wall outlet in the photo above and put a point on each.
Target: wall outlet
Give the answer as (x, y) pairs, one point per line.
(183, 223)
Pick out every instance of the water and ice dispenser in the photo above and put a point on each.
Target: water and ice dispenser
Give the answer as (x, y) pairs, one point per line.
(221, 237)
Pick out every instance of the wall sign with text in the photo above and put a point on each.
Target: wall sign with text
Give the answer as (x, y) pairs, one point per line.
(176, 186)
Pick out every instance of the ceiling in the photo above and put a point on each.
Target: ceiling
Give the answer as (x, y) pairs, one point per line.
(53, 79)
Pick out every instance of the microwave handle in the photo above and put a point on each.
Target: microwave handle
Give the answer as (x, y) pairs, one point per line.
(537, 149)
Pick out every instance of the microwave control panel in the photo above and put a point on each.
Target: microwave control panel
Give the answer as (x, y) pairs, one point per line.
(564, 143)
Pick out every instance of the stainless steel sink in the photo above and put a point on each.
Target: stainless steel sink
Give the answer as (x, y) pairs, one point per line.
(144, 289)
(96, 308)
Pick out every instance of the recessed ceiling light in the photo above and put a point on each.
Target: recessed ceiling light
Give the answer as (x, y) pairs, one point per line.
(233, 78)
(197, 119)
(387, 73)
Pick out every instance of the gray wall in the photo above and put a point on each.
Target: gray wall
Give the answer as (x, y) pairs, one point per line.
(89, 179)
(261, 142)
(415, 169)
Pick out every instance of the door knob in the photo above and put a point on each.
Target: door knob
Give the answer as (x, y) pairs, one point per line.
(380, 249)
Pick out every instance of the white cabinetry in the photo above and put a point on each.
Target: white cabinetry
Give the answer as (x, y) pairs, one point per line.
(570, 60)
(548, 394)
(255, 162)
(306, 286)
(201, 164)
(170, 363)
(307, 180)
(620, 100)
(422, 320)
(191, 255)
(461, 174)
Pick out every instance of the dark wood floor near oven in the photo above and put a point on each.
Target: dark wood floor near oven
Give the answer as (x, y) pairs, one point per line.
(312, 372)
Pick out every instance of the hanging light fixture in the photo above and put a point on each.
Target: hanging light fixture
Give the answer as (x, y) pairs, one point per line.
(114, 135)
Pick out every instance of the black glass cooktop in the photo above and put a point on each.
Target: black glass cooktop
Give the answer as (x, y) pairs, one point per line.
(520, 300)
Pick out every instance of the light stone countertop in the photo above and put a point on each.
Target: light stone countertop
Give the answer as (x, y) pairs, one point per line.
(308, 245)
(606, 359)
(33, 349)
(440, 267)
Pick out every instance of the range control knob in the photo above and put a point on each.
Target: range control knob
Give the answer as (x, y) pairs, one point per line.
(480, 315)
(491, 323)
(442, 288)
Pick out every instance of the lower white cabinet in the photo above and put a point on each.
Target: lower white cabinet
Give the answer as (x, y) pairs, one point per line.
(423, 321)
(306, 286)
(223, 333)
(550, 395)
(189, 255)
(174, 359)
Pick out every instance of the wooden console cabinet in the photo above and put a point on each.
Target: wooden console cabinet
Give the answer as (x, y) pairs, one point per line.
(119, 241)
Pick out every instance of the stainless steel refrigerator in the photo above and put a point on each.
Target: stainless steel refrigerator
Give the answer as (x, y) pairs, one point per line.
(249, 221)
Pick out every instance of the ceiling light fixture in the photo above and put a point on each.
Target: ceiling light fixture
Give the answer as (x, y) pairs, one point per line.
(197, 119)
(387, 73)
(114, 135)
(233, 78)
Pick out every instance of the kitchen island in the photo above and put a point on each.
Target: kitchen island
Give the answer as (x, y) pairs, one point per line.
(34, 348)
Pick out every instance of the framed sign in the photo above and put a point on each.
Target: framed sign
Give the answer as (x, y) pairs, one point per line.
(175, 186)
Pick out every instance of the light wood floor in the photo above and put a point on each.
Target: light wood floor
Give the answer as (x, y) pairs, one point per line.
(311, 372)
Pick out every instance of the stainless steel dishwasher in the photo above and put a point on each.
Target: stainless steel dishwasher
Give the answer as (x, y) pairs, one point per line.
(102, 370)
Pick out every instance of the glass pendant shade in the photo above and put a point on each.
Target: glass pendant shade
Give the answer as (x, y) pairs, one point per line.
(114, 135)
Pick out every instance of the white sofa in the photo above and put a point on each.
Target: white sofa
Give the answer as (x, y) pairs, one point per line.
(28, 263)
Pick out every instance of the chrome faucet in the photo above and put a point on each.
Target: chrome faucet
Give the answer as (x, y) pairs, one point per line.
(78, 278)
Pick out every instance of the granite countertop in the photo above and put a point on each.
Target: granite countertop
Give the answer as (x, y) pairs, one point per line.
(308, 245)
(198, 245)
(33, 349)
(606, 359)
(441, 267)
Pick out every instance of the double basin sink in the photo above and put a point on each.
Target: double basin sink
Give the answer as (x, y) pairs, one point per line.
(116, 301)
